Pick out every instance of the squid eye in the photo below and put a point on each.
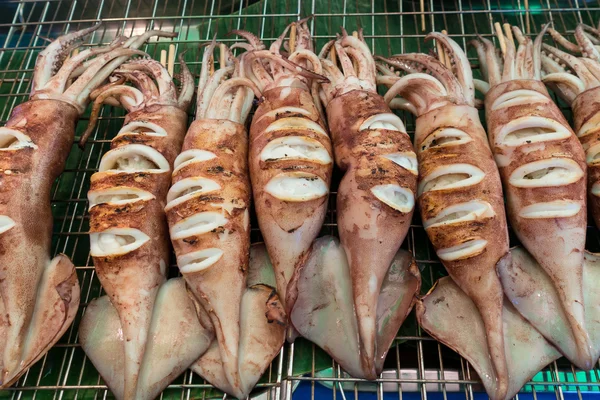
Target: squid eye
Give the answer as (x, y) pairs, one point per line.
(6, 223)
(187, 188)
(134, 158)
(462, 212)
(295, 148)
(517, 98)
(551, 209)
(146, 128)
(11, 139)
(407, 160)
(117, 195)
(388, 121)
(445, 137)
(395, 196)
(295, 124)
(296, 186)
(531, 130)
(116, 241)
(451, 177)
(463, 251)
(197, 224)
(192, 156)
(546, 173)
(199, 260)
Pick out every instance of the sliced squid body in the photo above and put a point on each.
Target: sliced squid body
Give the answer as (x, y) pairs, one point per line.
(533, 294)
(116, 241)
(451, 177)
(388, 121)
(118, 196)
(260, 340)
(170, 352)
(546, 173)
(530, 129)
(295, 148)
(451, 317)
(12, 139)
(296, 187)
(134, 158)
(445, 137)
(147, 128)
(518, 98)
(475, 210)
(324, 311)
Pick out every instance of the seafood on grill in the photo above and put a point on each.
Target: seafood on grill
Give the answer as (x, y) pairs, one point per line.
(208, 212)
(128, 229)
(459, 191)
(290, 156)
(39, 295)
(576, 79)
(543, 169)
(375, 202)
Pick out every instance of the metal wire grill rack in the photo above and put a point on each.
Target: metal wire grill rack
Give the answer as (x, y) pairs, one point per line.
(416, 366)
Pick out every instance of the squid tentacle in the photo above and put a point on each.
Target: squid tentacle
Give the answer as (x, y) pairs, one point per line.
(588, 49)
(461, 65)
(187, 85)
(52, 57)
(166, 87)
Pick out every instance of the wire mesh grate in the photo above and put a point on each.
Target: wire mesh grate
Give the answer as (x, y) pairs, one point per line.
(416, 366)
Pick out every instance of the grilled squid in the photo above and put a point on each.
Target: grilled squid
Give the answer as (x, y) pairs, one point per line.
(128, 229)
(209, 221)
(576, 80)
(459, 191)
(290, 156)
(543, 169)
(375, 198)
(40, 296)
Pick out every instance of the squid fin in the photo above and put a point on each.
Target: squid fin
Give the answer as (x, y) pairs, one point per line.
(55, 308)
(262, 330)
(166, 356)
(451, 317)
(324, 312)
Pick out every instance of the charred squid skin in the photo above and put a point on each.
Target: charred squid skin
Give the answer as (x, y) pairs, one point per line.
(210, 226)
(364, 156)
(291, 181)
(128, 231)
(523, 166)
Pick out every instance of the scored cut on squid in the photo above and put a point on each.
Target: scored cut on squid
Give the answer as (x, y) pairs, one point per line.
(290, 156)
(543, 169)
(39, 295)
(208, 211)
(376, 196)
(128, 228)
(459, 190)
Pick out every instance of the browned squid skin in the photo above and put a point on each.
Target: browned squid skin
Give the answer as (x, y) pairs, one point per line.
(585, 109)
(26, 177)
(288, 228)
(220, 286)
(132, 280)
(560, 254)
(371, 231)
(475, 275)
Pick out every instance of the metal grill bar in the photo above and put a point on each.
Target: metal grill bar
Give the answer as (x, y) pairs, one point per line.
(417, 364)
